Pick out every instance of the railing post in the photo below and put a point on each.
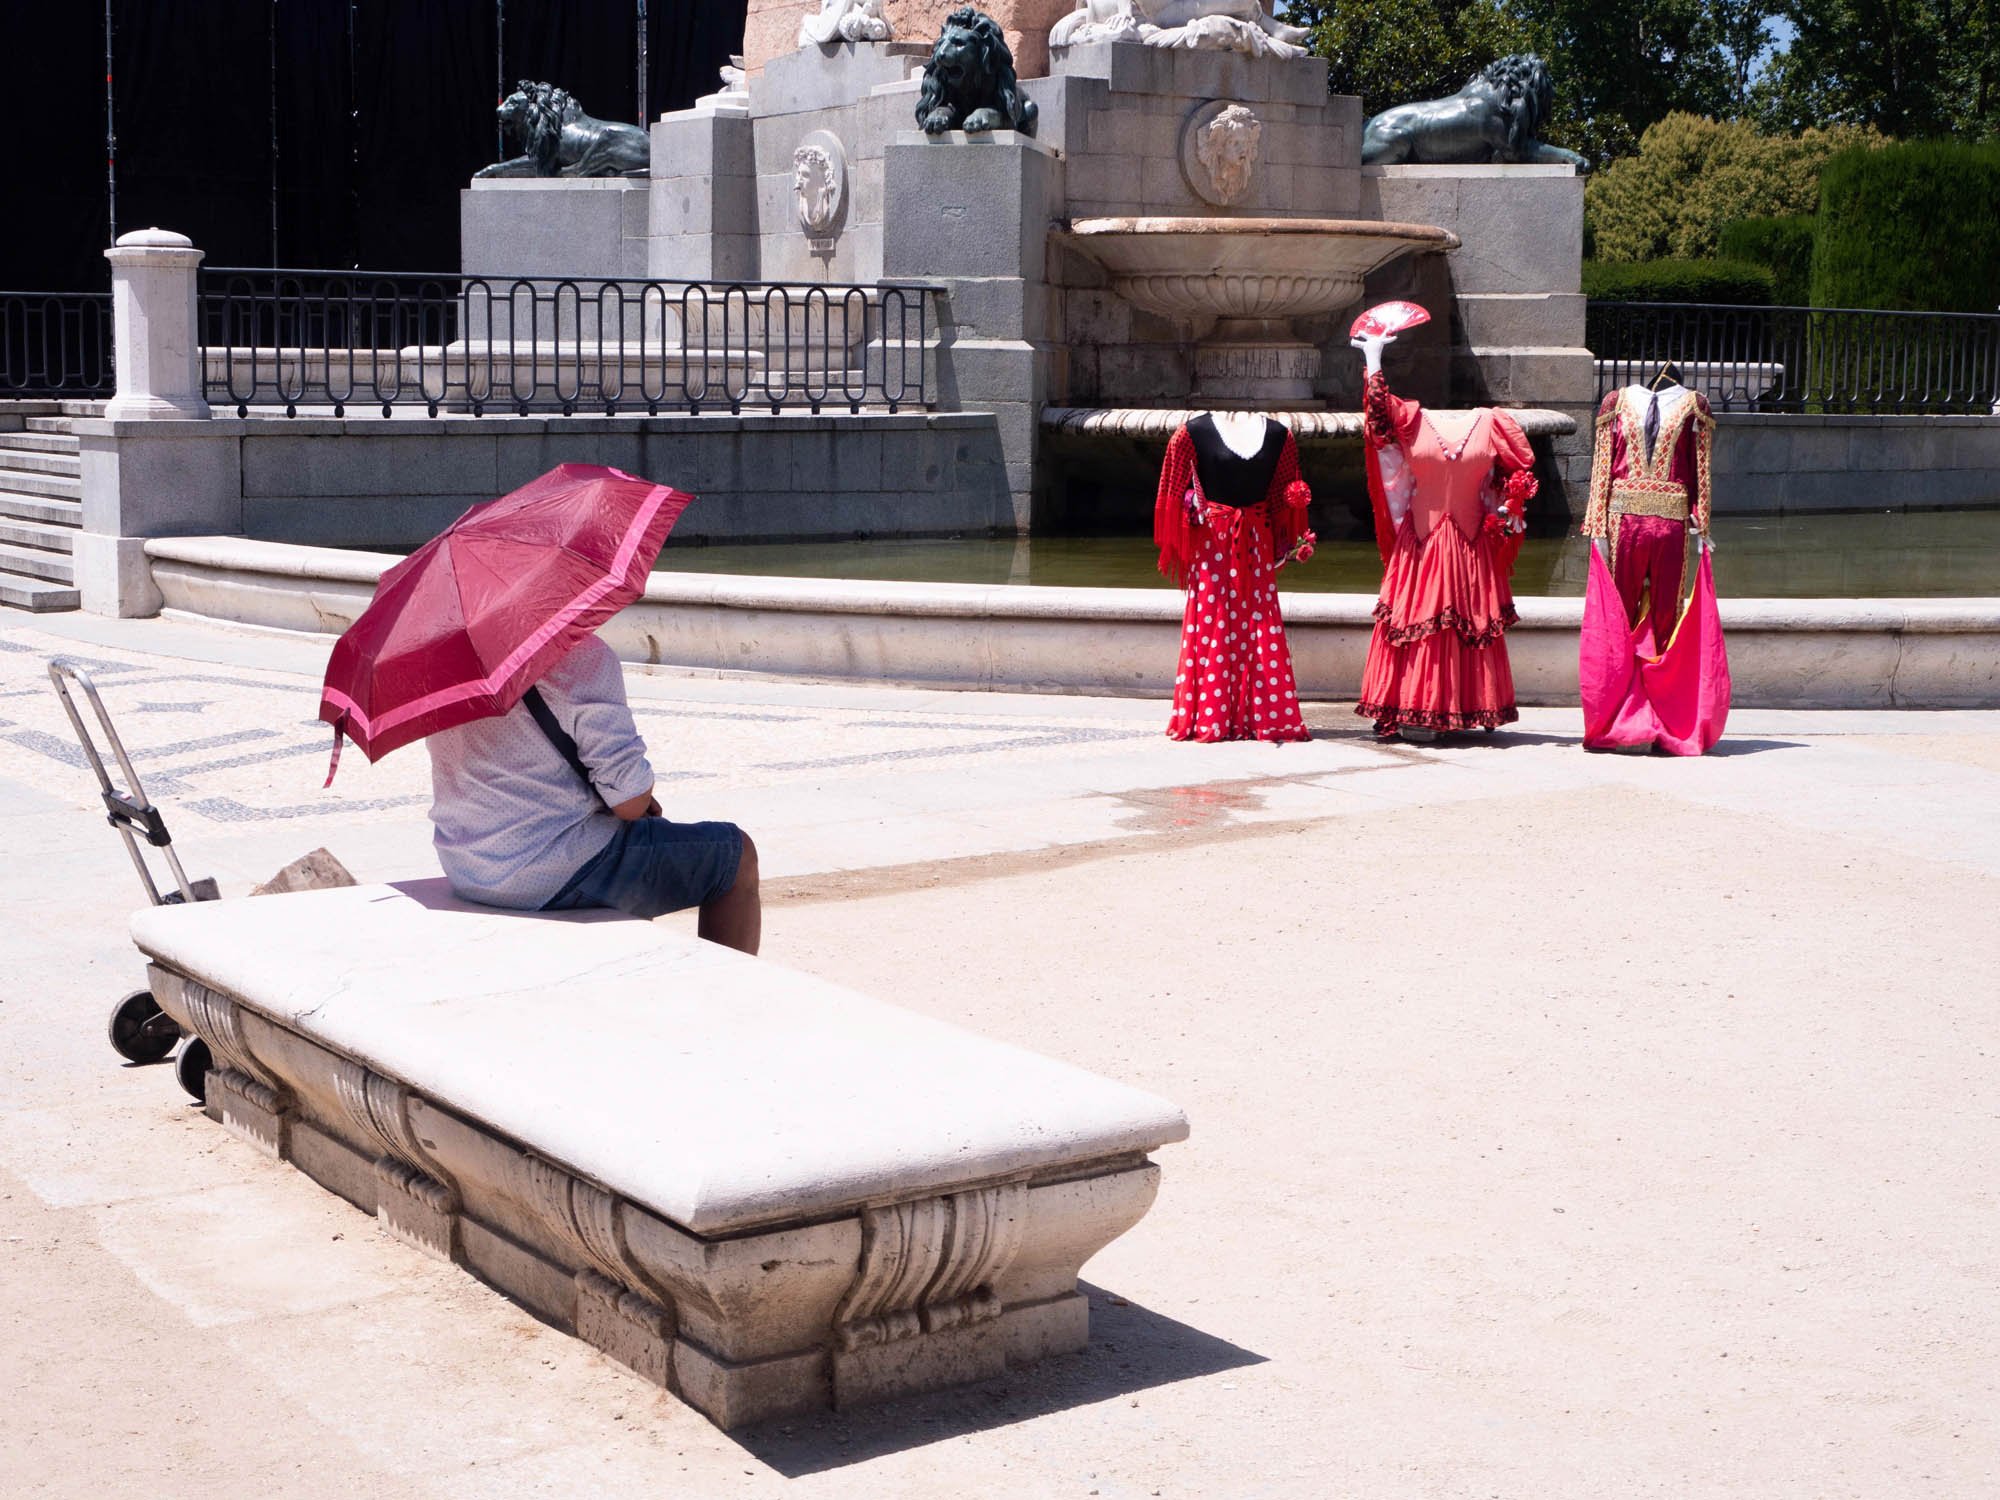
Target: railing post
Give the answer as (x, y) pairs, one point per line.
(157, 340)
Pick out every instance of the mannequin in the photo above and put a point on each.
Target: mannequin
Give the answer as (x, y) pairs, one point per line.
(1649, 489)
(1449, 492)
(1242, 431)
(1231, 511)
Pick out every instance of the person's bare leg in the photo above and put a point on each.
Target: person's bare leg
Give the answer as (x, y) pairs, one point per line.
(736, 917)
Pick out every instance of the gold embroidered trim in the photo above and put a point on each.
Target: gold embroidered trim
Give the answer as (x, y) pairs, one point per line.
(1597, 514)
(1649, 497)
(1704, 493)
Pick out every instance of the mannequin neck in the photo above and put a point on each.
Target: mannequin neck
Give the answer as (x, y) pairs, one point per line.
(1242, 432)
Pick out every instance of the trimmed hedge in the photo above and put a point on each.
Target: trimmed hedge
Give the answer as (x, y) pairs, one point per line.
(1739, 283)
(1784, 244)
(1911, 226)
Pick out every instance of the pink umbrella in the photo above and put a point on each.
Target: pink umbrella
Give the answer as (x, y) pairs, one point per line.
(463, 626)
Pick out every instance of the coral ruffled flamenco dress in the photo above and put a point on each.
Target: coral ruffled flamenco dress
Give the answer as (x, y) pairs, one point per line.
(1448, 506)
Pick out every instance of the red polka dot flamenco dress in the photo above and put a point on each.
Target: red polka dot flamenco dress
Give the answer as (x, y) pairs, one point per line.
(1225, 523)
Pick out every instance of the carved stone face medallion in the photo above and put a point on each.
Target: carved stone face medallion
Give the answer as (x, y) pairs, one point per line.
(1219, 151)
(819, 185)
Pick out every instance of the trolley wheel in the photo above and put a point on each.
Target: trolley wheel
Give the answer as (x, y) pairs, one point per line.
(191, 1069)
(140, 1031)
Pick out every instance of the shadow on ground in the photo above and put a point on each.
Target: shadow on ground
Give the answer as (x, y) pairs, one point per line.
(1131, 1350)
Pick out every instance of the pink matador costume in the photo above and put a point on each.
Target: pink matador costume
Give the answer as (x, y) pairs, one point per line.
(1650, 675)
(1644, 498)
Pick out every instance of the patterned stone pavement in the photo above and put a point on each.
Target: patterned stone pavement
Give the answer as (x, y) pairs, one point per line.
(1798, 1110)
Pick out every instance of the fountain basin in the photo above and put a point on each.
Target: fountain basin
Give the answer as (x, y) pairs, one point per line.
(1239, 282)
(1783, 653)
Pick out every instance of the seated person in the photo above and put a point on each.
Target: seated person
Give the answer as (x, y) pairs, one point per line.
(518, 825)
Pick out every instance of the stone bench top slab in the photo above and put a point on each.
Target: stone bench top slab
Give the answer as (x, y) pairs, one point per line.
(719, 1090)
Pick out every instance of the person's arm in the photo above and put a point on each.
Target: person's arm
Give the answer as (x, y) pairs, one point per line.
(645, 805)
(588, 700)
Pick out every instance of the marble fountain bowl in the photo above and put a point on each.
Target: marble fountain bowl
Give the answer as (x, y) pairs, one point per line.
(1239, 282)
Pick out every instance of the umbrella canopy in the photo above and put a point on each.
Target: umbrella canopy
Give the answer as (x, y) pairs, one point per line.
(463, 626)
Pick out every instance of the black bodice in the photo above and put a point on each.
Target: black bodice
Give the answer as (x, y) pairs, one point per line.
(1227, 477)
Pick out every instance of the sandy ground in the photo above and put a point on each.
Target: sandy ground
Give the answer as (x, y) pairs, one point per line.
(1563, 1126)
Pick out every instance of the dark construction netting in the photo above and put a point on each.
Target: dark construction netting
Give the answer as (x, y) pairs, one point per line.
(383, 109)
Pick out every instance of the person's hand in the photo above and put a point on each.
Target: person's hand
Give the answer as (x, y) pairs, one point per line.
(1371, 346)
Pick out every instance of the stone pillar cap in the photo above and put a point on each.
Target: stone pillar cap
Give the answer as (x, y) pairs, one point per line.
(154, 239)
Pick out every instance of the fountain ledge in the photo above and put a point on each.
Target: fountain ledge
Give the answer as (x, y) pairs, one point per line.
(1784, 653)
(1306, 426)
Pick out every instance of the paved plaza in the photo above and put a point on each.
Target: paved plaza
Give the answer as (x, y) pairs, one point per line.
(1563, 1125)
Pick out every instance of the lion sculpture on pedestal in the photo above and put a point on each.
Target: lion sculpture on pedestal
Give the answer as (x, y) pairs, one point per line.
(1496, 117)
(558, 139)
(969, 82)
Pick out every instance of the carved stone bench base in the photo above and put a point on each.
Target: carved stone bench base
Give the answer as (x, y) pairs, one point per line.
(880, 1300)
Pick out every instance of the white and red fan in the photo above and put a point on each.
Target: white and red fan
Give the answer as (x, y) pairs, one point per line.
(1386, 318)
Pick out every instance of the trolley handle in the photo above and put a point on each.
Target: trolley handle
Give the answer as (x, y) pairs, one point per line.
(141, 818)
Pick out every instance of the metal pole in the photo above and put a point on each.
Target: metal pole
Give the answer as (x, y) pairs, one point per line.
(642, 65)
(354, 132)
(110, 133)
(276, 259)
(499, 76)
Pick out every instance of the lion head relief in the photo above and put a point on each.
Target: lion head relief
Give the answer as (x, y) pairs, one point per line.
(969, 82)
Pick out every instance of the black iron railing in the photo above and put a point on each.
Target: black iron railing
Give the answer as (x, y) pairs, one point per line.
(55, 344)
(484, 344)
(1805, 359)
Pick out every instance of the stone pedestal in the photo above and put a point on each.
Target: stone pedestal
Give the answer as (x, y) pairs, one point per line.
(586, 227)
(154, 327)
(702, 224)
(973, 212)
(1517, 327)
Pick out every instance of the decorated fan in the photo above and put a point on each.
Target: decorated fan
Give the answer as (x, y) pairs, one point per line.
(1388, 318)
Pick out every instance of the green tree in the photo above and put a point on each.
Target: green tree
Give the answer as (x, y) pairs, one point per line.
(1692, 175)
(1620, 65)
(1906, 67)
(1394, 51)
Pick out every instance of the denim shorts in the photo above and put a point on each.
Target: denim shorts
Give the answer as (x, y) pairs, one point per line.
(652, 867)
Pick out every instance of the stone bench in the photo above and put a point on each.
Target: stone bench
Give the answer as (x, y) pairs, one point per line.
(764, 1192)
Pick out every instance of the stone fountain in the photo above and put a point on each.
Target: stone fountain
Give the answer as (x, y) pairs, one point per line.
(1239, 284)
(1186, 227)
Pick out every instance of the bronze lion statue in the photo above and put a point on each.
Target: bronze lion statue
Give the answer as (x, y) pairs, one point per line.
(558, 139)
(969, 82)
(1496, 117)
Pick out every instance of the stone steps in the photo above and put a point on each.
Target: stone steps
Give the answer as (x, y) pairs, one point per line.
(58, 539)
(23, 441)
(52, 509)
(38, 461)
(25, 482)
(41, 511)
(37, 595)
(37, 562)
